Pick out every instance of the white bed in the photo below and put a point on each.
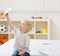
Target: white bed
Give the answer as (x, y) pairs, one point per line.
(37, 48)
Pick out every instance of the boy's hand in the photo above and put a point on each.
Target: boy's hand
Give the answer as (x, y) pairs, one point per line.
(23, 51)
(20, 53)
(6, 16)
(1, 15)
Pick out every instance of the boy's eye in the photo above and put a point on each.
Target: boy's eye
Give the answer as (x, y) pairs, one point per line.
(22, 24)
(19, 26)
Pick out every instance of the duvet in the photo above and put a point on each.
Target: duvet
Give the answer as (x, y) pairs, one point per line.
(37, 48)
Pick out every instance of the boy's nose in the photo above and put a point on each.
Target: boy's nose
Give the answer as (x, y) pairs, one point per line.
(19, 25)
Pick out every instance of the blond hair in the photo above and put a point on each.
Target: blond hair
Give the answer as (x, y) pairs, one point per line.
(29, 25)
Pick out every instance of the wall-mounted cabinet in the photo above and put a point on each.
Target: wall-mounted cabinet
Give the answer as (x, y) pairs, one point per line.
(52, 5)
(31, 5)
(27, 5)
(4, 4)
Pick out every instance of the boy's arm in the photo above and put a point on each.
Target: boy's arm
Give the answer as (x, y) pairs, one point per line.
(27, 44)
(9, 22)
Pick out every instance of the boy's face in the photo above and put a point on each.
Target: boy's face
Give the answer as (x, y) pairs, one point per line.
(23, 26)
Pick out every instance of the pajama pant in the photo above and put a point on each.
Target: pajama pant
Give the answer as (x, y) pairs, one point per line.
(16, 54)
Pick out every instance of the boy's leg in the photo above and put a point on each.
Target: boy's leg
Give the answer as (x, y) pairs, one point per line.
(15, 53)
(26, 54)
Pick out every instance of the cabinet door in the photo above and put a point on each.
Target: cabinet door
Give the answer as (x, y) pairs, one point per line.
(4, 4)
(27, 5)
(52, 5)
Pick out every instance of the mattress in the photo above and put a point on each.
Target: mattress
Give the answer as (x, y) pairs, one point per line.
(37, 48)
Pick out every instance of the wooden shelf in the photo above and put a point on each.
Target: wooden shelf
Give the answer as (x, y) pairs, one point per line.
(40, 28)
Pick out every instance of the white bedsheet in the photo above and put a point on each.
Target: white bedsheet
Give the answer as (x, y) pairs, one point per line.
(37, 48)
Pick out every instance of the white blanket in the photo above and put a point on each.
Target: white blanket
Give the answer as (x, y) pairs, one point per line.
(37, 48)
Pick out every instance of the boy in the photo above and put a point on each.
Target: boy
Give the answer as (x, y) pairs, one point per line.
(22, 40)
